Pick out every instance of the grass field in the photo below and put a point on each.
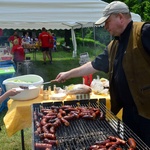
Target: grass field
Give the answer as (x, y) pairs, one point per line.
(62, 61)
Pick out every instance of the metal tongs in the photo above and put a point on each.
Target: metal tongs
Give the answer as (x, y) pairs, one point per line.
(27, 87)
(50, 81)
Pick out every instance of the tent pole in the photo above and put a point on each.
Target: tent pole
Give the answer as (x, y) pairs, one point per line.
(82, 35)
(74, 43)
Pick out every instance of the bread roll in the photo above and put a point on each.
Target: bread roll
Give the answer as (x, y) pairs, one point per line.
(78, 89)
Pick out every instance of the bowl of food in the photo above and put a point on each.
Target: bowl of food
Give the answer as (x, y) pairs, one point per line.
(30, 85)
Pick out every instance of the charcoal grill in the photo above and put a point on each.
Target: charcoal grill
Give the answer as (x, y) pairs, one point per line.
(81, 134)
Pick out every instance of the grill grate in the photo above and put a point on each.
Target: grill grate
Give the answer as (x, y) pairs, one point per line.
(81, 134)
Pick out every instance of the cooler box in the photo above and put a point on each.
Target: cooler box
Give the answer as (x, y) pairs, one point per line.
(7, 70)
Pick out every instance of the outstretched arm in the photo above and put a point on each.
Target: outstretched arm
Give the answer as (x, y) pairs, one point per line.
(85, 69)
(11, 92)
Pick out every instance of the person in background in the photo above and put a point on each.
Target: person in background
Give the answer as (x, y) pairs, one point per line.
(127, 60)
(51, 45)
(44, 39)
(17, 52)
(13, 37)
(26, 39)
(55, 42)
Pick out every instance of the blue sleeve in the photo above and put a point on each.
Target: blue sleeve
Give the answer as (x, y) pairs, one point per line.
(101, 62)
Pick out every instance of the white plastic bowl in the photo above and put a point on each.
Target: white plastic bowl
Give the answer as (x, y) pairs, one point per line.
(33, 82)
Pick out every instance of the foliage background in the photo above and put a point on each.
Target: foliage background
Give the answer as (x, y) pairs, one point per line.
(141, 7)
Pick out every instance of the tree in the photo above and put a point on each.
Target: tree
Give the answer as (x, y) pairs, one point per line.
(141, 7)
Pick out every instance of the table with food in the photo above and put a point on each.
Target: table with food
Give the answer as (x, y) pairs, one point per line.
(77, 116)
(34, 47)
(31, 91)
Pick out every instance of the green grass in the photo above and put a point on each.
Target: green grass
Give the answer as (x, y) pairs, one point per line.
(62, 61)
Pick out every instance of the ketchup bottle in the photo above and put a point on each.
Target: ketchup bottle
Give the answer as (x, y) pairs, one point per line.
(87, 79)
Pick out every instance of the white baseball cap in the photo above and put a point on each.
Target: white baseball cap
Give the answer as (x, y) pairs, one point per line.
(113, 7)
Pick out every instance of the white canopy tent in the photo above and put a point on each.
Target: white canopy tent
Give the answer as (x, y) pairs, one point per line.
(51, 14)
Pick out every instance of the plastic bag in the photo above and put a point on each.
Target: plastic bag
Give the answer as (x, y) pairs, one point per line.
(100, 86)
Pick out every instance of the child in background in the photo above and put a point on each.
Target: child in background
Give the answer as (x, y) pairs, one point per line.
(17, 52)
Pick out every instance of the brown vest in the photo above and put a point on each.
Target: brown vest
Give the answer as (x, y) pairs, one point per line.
(136, 65)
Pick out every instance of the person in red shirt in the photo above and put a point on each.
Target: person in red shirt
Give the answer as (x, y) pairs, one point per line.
(17, 52)
(44, 39)
(13, 37)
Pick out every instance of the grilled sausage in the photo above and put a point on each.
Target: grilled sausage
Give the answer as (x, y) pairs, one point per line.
(37, 124)
(54, 107)
(102, 142)
(49, 117)
(43, 146)
(102, 116)
(112, 138)
(67, 110)
(69, 117)
(109, 144)
(46, 111)
(132, 143)
(63, 113)
(40, 114)
(50, 136)
(38, 131)
(113, 147)
(43, 121)
(88, 117)
(44, 129)
(52, 114)
(59, 115)
(65, 106)
(94, 147)
(97, 112)
(52, 142)
(52, 120)
(74, 114)
(52, 129)
(65, 122)
(120, 141)
(35, 117)
(57, 123)
(94, 115)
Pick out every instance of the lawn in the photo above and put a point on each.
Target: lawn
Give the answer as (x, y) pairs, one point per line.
(62, 61)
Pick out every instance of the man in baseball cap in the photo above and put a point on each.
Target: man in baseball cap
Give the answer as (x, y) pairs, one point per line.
(127, 61)
(113, 8)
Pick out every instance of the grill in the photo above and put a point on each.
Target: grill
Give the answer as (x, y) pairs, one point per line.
(81, 134)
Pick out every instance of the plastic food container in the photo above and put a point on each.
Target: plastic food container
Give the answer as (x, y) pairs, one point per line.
(6, 57)
(31, 81)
